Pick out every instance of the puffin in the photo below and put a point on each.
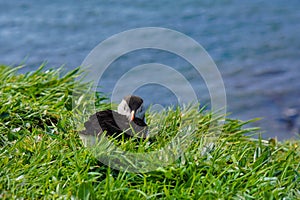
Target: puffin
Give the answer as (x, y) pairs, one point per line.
(128, 121)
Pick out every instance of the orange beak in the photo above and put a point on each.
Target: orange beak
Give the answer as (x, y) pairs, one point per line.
(132, 115)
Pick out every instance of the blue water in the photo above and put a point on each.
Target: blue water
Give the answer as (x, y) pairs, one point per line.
(255, 44)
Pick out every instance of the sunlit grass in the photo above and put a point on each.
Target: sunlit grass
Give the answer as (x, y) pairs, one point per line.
(42, 156)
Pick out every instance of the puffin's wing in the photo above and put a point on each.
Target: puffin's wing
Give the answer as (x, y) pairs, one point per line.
(111, 121)
(100, 122)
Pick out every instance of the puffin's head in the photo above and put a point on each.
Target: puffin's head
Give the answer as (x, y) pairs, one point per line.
(132, 106)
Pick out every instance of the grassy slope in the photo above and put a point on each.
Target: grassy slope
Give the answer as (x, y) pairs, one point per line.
(41, 155)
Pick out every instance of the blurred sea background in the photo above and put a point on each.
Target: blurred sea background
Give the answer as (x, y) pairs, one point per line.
(255, 45)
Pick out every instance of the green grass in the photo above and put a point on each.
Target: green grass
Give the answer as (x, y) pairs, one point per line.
(42, 156)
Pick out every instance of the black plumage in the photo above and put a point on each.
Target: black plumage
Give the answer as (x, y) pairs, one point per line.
(129, 121)
(114, 124)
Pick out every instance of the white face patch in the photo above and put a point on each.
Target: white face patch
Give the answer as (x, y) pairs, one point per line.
(124, 109)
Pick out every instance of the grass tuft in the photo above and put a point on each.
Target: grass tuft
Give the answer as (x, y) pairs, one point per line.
(41, 155)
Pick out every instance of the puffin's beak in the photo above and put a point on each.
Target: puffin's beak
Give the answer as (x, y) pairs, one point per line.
(132, 115)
